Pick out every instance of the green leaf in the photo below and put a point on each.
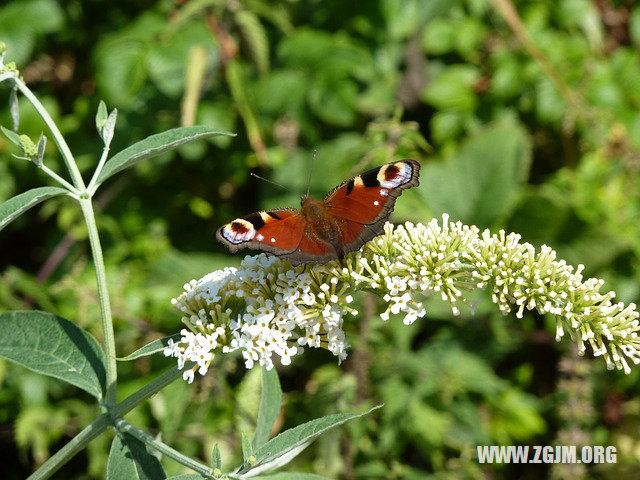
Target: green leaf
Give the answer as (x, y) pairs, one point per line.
(247, 450)
(167, 59)
(286, 446)
(404, 17)
(292, 476)
(453, 88)
(151, 347)
(16, 206)
(439, 36)
(12, 136)
(480, 182)
(281, 90)
(255, 36)
(53, 346)
(270, 400)
(446, 124)
(129, 458)
(276, 13)
(334, 102)
(216, 460)
(154, 145)
(101, 116)
(307, 50)
(187, 476)
(42, 145)
(634, 26)
(22, 23)
(121, 58)
(109, 127)
(120, 71)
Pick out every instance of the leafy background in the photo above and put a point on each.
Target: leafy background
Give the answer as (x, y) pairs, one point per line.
(525, 118)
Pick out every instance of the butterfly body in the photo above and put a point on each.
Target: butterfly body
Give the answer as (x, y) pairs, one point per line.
(321, 230)
(321, 225)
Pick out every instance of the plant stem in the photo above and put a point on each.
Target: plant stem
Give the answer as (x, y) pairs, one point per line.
(77, 443)
(101, 423)
(145, 392)
(105, 307)
(126, 427)
(57, 136)
(7, 76)
(60, 180)
(92, 184)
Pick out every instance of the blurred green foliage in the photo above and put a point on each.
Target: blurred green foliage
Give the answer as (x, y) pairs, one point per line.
(525, 119)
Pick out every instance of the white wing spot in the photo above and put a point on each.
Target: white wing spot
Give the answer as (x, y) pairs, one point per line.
(384, 193)
(402, 176)
(273, 240)
(235, 237)
(376, 202)
(259, 237)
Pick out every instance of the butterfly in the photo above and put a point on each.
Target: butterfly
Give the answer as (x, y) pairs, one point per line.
(322, 230)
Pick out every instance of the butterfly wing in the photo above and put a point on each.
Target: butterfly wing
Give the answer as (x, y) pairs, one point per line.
(311, 250)
(363, 204)
(357, 209)
(275, 231)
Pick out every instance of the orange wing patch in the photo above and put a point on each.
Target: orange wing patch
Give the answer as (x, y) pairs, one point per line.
(275, 231)
(314, 246)
(362, 204)
(284, 233)
(370, 197)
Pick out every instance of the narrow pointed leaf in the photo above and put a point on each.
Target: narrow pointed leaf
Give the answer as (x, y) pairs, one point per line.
(16, 206)
(151, 347)
(296, 439)
(291, 476)
(247, 451)
(187, 476)
(53, 346)
(101, 116)
(270, 400)
(12, 136)
(216, 461)
(274, 463)
(129, 458)
(109, 127)
(256, 38)
(42, 145)
(154, 145)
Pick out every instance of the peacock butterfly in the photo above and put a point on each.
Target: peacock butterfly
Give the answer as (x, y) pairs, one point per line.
(345, 219)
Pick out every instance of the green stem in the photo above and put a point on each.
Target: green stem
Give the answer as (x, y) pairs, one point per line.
(92, 184)
(7, 76)
(101, 423)
(60, 180)
(62, 456)
(145, 392)
(103, 295)
(126, 427)
(57, 136)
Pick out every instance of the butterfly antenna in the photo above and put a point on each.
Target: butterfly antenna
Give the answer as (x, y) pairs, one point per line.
(269, 181)
(313, 160)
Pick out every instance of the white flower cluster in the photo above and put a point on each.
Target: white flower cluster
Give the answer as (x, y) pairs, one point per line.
(520, 278)
(407, 262)
(268, 307)
(263, 308)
